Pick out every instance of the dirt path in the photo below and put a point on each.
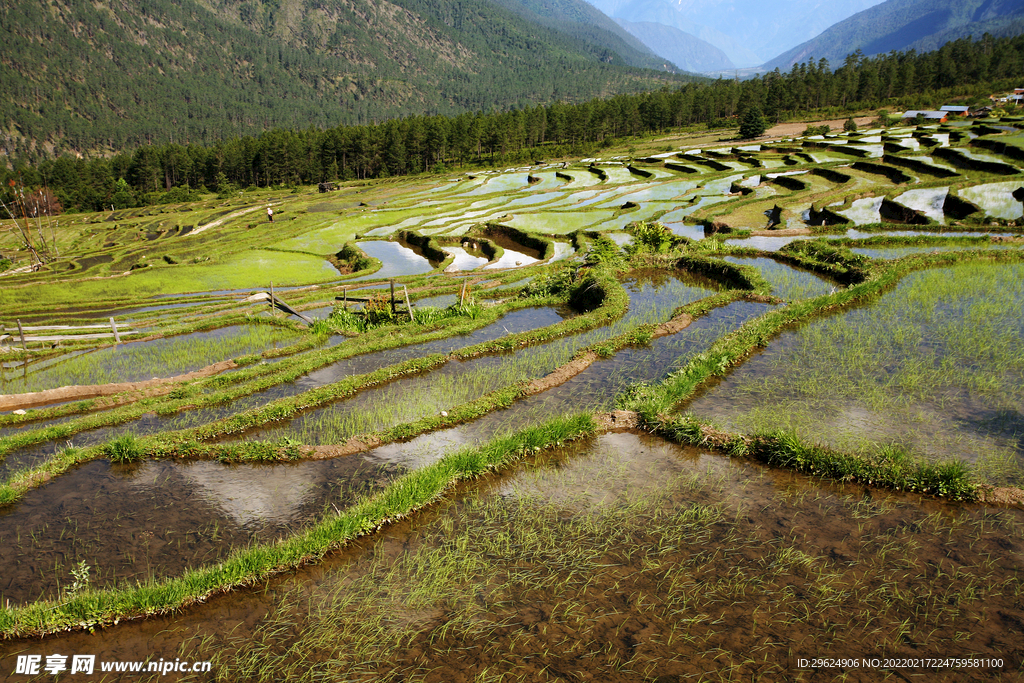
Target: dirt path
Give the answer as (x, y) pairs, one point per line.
(788, 130)
(220, 221)
(78, 392)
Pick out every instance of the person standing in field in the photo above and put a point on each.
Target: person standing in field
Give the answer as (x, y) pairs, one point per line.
(270, 214)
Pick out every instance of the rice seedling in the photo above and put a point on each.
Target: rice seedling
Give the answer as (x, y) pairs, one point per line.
(941, 379)
(159, 358)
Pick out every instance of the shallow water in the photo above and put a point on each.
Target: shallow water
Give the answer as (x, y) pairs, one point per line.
(899, 252)
(515, 254)
(863, 211)
(159, 518)
(653, 297)
(500, 183)
(767, 243)
(996, 199)
(787, 282)
(255, 510)
(396, 260)
(694, 232)
(516, 321)
(464, 260)
(928, 202)
(943, 379)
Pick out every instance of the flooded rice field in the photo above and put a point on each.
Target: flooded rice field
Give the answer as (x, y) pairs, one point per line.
(942, 378)
(625, 557)
(151, 423)
(787, 282)
(131, 362)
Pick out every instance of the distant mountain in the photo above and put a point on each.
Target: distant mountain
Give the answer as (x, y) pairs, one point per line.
(907, 24)
(108, 74)
(686, 51)
(749, 32)
(581, 21)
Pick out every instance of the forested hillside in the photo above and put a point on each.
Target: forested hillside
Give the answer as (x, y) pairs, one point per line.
(906, 25)
(582, 21)
(961, 70)
(114, 74)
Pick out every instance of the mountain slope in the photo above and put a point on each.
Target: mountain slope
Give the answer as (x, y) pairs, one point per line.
(907, 24)
(581, 21)
(686, 51)
(115, 73)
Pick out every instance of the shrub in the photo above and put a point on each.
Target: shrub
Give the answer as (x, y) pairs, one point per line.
(817, 130)
(377, 310)
(652, 235)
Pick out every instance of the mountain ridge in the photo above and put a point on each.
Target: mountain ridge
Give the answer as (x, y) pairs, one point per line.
(903, 25)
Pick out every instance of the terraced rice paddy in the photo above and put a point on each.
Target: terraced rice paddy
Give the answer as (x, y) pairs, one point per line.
(595, 450)
(934, 365)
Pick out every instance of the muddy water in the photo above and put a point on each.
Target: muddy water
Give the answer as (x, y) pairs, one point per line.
(241, 492)
(935, 366)
(516, 321)
(625, 557)
(159, 518)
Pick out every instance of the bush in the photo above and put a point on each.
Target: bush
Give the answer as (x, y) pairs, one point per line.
(850, 126)
(378, 310)
(817, 130)
(550, 285)
(651, 235)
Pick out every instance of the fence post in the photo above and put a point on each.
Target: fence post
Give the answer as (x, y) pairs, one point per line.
(462, 295)
(113, 326)
(412, 318)
(393, 309)
(24, 347)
